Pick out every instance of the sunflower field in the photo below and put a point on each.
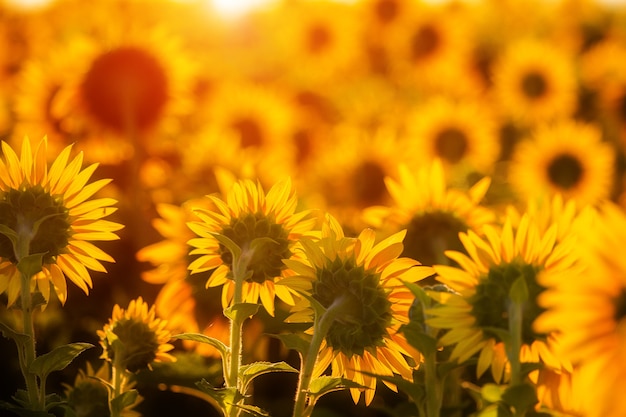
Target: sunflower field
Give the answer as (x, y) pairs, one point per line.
(313, 208)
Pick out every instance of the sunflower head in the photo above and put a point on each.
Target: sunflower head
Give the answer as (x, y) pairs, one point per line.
(360, 285)
(46, 216)
(135, 338)
(266, 226)
(89, 397)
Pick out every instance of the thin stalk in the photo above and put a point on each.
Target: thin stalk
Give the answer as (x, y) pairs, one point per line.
(117, 377)
(22, 250)
(240, 266)
(432, 385)
(320, 330)
(515, 328)
(28, 353)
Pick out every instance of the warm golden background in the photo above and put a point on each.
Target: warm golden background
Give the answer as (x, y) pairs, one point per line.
(164, 94)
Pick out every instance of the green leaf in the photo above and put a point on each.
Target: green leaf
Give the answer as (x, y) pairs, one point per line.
(31, 264)
(317, 307)
(519, 291)
(225, 397)
(248, 372)
(9, 333)
(240, 312)
(126, 399)
(57, 359)
(201, 338)
(234, 249)
(417, 338)
(324, 384)
(23, 412)
(502, 334)
(491, 393)
(10, 234)
(252, 410)
(419, 293)
(298, 342)
(522, 397)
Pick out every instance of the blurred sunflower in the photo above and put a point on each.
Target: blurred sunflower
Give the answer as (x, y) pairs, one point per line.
(427, 47)
(535, 82)
(552, 163)
(432, 213)
(251, 120)
(49, 210)
(321, 36)
(109, 93)
(482, 285)
(364, 281)
(351, 174)
(588, 312)
(89, 397)
(246, 214)
(135, 337)
(462, 134)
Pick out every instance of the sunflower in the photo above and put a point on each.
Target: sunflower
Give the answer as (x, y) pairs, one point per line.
(89, 397)
(246, 214)
(534, 82)
(462, 134)
(350, 173)
(110, 91)
(481, 285)
(50, 211)
(179, 298)
(321, 36)
(367, 280)
(432, 213)
(251, 123)
(427, 46)
(135, 337)
(587, 310)
(552, 162)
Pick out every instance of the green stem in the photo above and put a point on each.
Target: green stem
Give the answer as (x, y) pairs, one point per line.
(515, 328)
(117, 378)
(432, 385)
(240, 266)
(28, 352)
(320, 330)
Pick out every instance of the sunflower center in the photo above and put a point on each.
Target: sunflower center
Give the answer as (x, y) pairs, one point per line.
(451, 144)
(386, 10)
(366, 312)
(620, 307)
(429, 234)
(139, 344)
(565, 171)
(249, 132)
(125, 88)
(20, 210)
(491, 301)
(424, 42)
(318, 38)
(368, 182)
(267, 260)
(534, 85)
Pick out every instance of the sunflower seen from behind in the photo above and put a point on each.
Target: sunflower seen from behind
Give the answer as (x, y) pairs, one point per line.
(247, 213)
(363, 281)
(568, 158)
(431, 211)
(478, 309)
(51, 211)
(134, 338)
